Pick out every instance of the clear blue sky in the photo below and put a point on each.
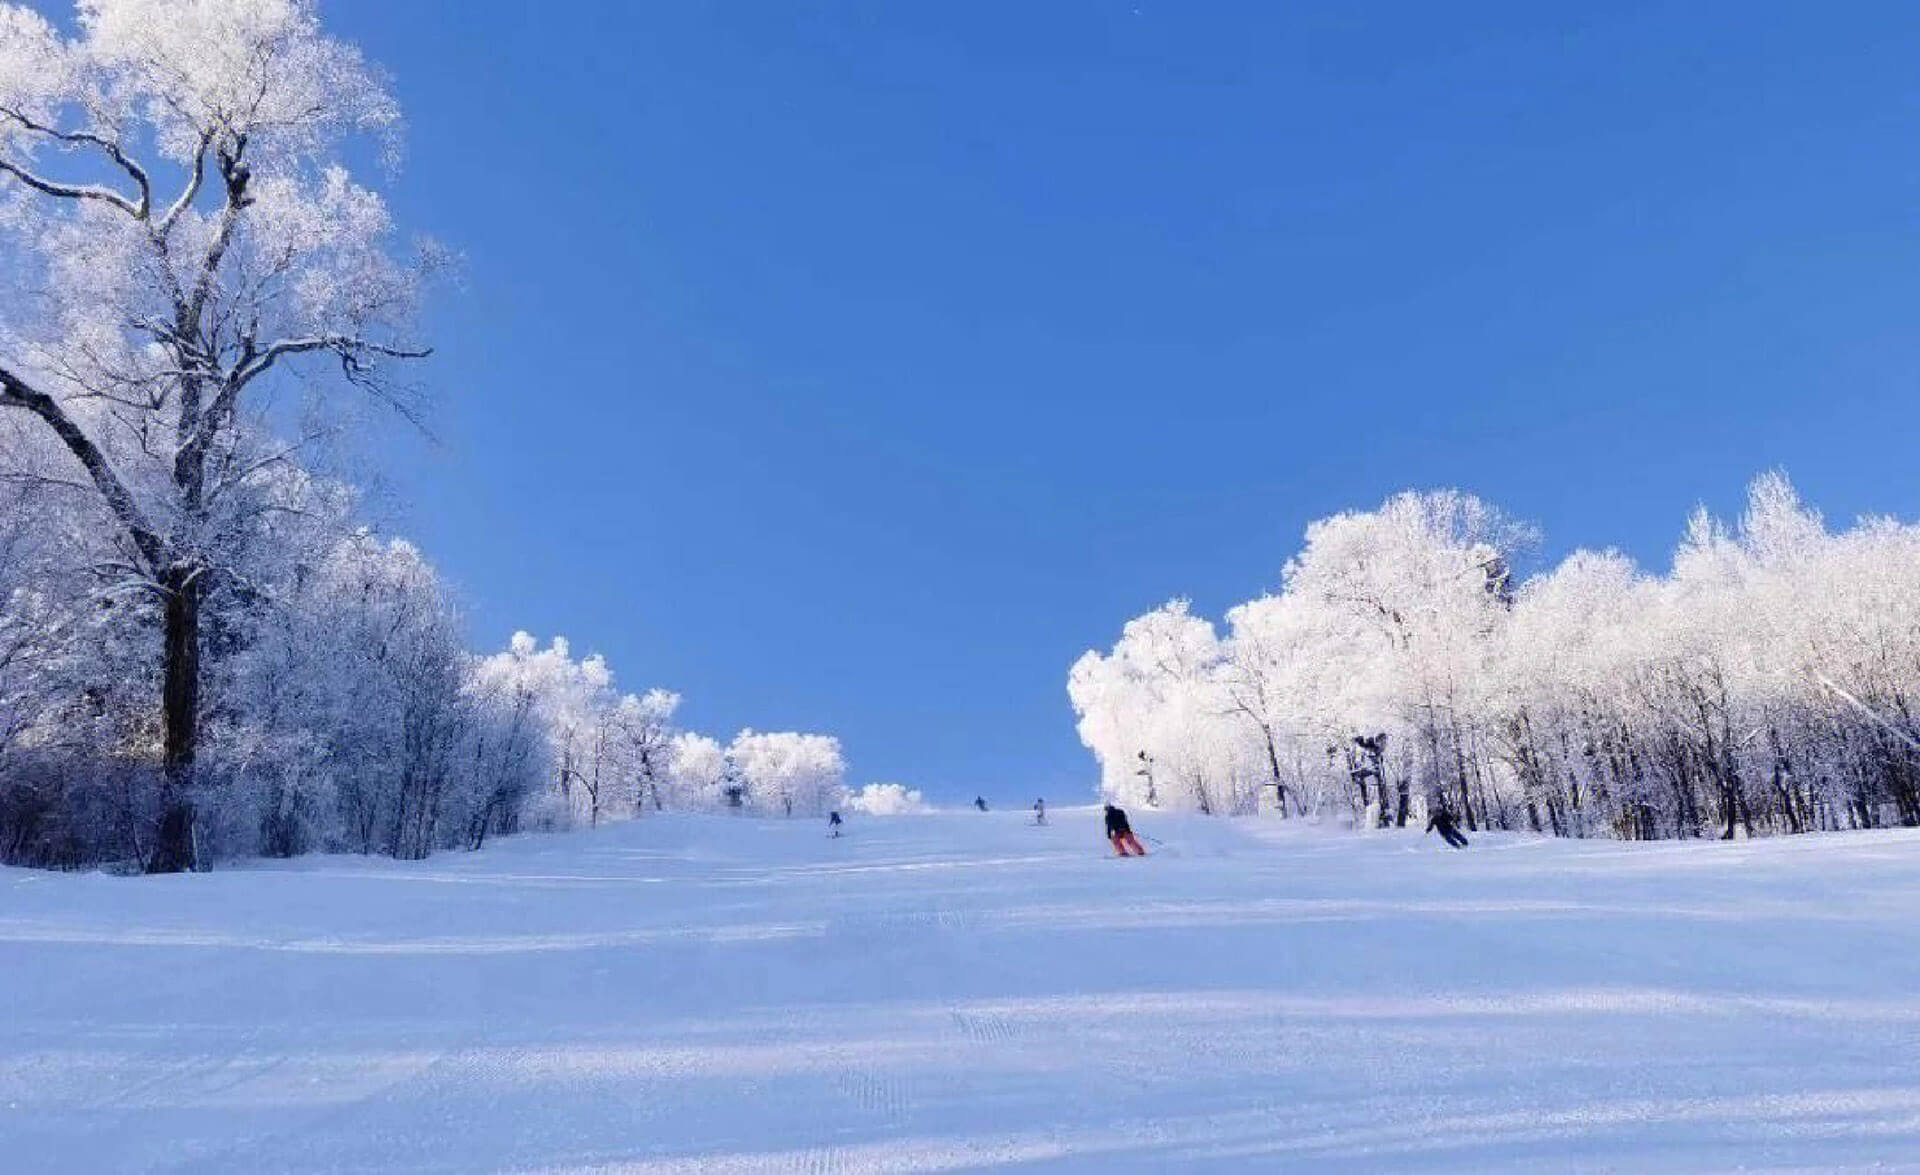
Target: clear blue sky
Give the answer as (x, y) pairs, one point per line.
(855, 367)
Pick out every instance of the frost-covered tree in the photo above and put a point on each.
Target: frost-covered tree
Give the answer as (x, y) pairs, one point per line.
(643, 726)
(784, 773)
(1765, 684)
(1159, 715)
(349, 712)
(593, 735)
(697, 771)
(1363, 671)
(605, 753)
(1415, 589)
(179, 229)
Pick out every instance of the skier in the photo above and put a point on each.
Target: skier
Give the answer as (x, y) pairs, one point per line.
(1040, 810)
(1121, 833)
(1449, 832)
(980, 802)
(833, 824)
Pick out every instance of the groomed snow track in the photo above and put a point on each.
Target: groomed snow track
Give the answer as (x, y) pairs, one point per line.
(962, 992)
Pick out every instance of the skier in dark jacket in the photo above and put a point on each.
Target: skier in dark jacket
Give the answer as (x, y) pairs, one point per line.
(980, 802)
(833, 824)
(1040, 810)
(1442, 820)
(1120, 833)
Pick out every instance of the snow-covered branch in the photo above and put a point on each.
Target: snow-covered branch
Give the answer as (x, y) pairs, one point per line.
(17, 393)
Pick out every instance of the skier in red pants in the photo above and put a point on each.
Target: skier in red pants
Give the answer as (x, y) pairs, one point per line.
(1121, 833)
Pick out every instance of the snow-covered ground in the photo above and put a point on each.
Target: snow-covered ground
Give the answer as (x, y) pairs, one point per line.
(958, 991)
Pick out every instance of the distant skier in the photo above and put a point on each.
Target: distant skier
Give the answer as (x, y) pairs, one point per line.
(1040, 810)
(833, 824)
(1442, 821)
(1121, 834)
(980, 802)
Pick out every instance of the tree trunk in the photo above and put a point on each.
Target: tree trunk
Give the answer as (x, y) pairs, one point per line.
(1460, 769)
(1273, 769)
(173, 848)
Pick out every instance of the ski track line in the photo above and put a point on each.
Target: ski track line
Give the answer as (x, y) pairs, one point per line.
(197, 1075)
(875, 1093)
(984, 1027)
(246, 1154)
(819, 1161)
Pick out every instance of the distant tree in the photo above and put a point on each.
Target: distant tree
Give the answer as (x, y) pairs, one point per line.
(786, 772)
(885, 799)
(697, 771)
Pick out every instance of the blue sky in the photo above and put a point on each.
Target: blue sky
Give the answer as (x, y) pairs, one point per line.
(855, 367)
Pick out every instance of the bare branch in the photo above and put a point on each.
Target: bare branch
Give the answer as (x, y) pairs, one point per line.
(37, 480)
(343, 345)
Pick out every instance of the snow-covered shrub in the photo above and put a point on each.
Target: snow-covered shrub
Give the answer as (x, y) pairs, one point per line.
(887, 799)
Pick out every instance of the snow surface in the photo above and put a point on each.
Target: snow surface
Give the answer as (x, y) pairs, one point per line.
(957, 991)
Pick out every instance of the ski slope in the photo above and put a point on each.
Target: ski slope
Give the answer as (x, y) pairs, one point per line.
(966, 992)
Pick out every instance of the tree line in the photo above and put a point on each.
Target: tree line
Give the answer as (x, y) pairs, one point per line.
(1766, 684)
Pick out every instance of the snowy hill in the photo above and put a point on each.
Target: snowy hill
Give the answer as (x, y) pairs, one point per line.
(958, 991)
